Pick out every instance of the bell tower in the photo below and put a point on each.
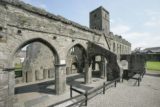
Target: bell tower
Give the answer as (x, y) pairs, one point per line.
(99, 20)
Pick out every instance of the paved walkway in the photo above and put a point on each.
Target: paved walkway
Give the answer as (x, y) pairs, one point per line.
(42, 94)
(128, 95)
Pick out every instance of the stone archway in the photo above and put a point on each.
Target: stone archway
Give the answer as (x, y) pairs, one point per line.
(59, 88)
(76, 56)
(32, 74)
(75, 62)
(43, 41)
(100, 62)
(113, 69)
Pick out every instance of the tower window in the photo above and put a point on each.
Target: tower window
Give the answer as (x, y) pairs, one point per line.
(105, 15)
(95, 15)
(1, 28)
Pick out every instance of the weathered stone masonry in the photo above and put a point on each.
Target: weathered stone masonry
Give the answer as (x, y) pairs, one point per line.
(22, 24)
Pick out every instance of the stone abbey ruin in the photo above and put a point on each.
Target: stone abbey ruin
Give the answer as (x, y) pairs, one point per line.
(56, 48)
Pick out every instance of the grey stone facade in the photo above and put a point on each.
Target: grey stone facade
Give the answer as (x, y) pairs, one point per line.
(99, 20)
(22, 24)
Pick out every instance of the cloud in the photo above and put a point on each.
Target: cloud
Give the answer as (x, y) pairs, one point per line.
(42, 6)
(27, 1)
(120, 29)
(37, 4)
(152, 12)
(153, 22)
(154, 19)
(141, 39)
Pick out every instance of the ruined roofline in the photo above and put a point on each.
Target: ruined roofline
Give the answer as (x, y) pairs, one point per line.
(42, 12)
(119, 39)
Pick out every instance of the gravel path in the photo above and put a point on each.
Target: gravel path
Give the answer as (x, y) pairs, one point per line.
(126, 94)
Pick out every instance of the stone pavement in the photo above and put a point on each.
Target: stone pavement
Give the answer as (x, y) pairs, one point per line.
(42, 94)
(128, 95)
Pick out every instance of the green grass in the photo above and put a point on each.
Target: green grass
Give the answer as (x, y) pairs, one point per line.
(18, 66)
(18, 70)
(153, 66)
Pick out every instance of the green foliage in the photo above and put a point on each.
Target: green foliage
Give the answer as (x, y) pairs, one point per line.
(153, 65)
(18, 70)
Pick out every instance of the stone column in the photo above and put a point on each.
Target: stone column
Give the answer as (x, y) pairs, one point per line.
(121, 73)
(102, 68)
(105, 73)
(51, 73)
(7, 84)
(39, 74)
(24, 75)
(31, 76)
(88, 73)
(45, 73)
(60, 78)
(11, 88)
(68, 70)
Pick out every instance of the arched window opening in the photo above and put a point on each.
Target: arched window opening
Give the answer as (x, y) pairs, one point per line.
(34, 63)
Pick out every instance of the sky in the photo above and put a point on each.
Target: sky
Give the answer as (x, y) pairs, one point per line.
(138, 21)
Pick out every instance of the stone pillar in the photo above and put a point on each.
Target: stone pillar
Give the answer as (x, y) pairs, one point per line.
(39, 74)
(60, 78)
(24, 76)
(45, 73)
(102, 68)
(121, 73)
(68, 70)
(11, 88)
(7, 84)
(31, 76)
(88, 73)
(51, 73)
(105, 73)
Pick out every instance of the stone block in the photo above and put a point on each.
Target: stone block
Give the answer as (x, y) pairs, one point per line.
(45, 73)
(2, 103)
(30, 76)
(68, 70)
(39, 75)
(4, 93)
(51, 73)
(3, 79)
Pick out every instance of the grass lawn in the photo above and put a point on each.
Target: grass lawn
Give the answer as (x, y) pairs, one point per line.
(153, 66)
(18, 70)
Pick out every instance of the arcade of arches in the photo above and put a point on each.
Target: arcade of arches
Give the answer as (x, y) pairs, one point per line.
(69, 48)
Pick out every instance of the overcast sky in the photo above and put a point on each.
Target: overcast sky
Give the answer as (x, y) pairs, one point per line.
(138, 21)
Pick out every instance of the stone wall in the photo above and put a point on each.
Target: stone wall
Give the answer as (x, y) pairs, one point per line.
(6, 89)
(136, 62)
(99, 20)
(22, 24)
